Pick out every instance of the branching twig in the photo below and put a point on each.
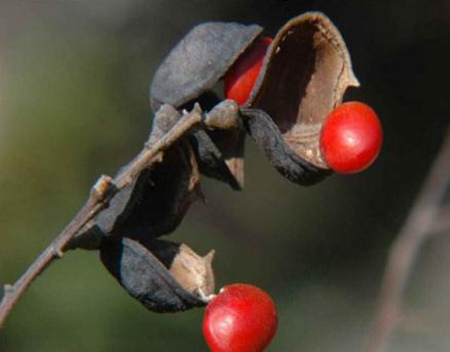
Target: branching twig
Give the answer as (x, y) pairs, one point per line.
(101, 194)
(418, 226)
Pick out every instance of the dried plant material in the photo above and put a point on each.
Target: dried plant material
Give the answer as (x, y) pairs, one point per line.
(304, 77)
(199, 61)
(305, 74)
(223, 165)
(221, 147)
(266, 133)
(193, 67)
(193, 272)
(157, 201)
(96, 204)
(164, 119)
(218, 153)
(146, 278)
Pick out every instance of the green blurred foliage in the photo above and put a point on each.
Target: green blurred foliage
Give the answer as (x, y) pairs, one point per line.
(74, 105)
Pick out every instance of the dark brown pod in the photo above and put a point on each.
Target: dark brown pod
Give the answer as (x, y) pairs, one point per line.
(296, 169)
(211, 158)
(151, 206)
(156, 201)
(220, 151)
(189, 73)
(199, 61)
(163, 276)
(220, 155)
(193, 272)
(306, 72)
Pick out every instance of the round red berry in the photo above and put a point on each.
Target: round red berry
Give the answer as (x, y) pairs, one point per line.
(241, 77)
(351, 138)
(241, 318)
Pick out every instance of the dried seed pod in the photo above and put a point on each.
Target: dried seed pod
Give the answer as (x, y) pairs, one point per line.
(264, 130)
(156, 202)
(306, 72)
(211, 159)
(198, 61)
(220, 150)
(193, 68)
(163, 276)
(304, 77)
(193, 272)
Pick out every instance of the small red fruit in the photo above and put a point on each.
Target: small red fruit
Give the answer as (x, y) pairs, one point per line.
(241, 318)
(241, 77)
(351, 138)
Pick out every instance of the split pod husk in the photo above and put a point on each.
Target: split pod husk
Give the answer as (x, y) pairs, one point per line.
(189, 73)
(163, 276)
(306, 72)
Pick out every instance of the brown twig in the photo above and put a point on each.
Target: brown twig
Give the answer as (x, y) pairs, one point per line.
(442, 220)
(418, 226)
(101, 194)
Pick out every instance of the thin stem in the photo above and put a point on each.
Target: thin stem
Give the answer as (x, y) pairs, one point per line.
(417, 227)
(101, 195)
(442, 220)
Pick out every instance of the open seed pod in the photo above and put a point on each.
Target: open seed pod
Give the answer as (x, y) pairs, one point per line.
(198, 62)
(163, 276)
(305, 74)
(189, 73)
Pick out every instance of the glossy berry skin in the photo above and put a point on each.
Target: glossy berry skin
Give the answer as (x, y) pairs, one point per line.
(241, 77)
(241, 318)
(351, 138)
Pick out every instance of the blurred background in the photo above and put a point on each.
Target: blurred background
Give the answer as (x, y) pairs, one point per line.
(74, 79)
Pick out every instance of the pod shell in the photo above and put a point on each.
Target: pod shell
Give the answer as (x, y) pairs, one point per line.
(156, 202)
(199, 61)
(145, 277)
(305, 73)
(269, 138)
(189, 73)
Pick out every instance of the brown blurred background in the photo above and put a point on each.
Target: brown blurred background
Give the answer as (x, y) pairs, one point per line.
(74, 79)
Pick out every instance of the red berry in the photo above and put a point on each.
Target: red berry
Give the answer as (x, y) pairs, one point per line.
(241, 318)
(241, 77)
(351, 138)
